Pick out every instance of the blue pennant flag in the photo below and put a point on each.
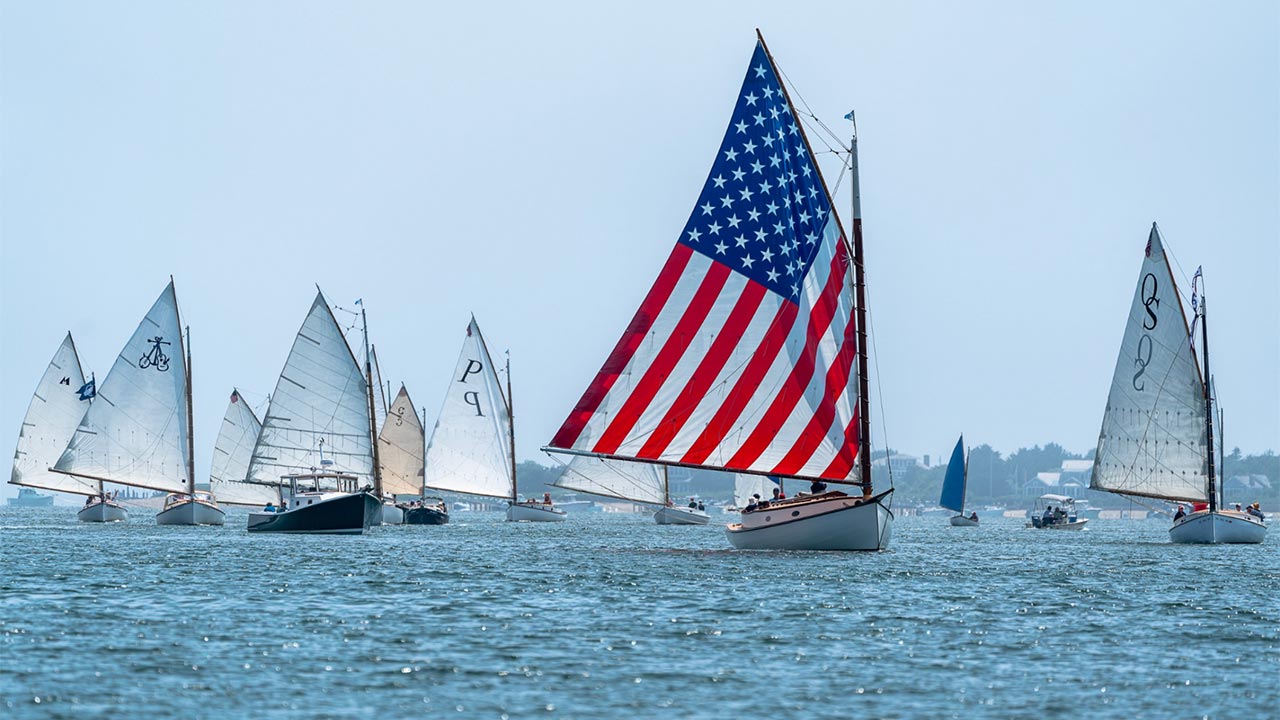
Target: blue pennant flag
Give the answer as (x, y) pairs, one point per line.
(89, 390)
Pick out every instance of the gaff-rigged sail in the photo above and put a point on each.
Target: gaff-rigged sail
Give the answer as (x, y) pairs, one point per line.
(135, 432)
(1153, 440)
(400, 448)
(741, 356)
(52, 417)
(637, 482)
(318, 418)
(953, 484)
(231, 454)
(470, 447)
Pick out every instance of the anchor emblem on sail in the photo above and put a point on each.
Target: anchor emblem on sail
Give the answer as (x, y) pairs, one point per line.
(155, 357)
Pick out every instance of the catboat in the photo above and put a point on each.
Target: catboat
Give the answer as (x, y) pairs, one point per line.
(954, 485)
(642, 483)
(741, 357)
(400, 452)
(1157, 433)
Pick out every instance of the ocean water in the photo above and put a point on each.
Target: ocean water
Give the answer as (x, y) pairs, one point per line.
(614, 616)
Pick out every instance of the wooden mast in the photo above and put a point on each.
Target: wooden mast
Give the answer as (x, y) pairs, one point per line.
(1208, 400)
(511, 424)
(373, 423)
(666, 488)
(191, 443)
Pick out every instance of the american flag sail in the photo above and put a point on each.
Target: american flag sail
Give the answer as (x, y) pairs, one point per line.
(741, 356)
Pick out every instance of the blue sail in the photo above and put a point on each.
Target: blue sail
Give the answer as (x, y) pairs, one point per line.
(953, 486)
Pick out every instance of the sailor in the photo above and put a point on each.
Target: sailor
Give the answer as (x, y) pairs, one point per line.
(817, 487)
(701, 506)
(1048, 516)
(1180, 514)
(693, 504)
(778, 495)
(270, 507)
(546, 498)
(973, 516)
(1256, 511)
(752, 503)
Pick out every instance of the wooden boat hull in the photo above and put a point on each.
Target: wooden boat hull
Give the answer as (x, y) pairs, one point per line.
(681, 516)
(192, 512)
(103, 512)
(832, 521)
(962, 521)
(426, 516)
(534, 512)
(347, 514)
(1218, 527)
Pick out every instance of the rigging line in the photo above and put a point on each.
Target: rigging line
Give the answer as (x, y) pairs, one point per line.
(1183, 273)
(875, 359)
(807, 109)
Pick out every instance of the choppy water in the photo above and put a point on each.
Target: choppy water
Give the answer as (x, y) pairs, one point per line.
(614, 616)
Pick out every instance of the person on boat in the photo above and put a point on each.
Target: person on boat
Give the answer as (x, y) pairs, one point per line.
(702, 507)
(693, 504)
(817, 487)
(546, 498)
(88, 500)
(270, 507)
(778, 495)
(1256, 511)
(973, 516)
(1182, 512)
(752, 504)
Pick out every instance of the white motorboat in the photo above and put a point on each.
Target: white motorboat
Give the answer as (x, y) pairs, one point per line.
(532, 511)
(1055, 512)
(101, 509)
(185, 509)
(749, 352)
(1157, 433)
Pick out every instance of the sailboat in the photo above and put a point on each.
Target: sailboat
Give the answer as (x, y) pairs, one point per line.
(138, 431)
(316, 445)
(472, 446)
(1157, 438)
(642, 483)
(401, 450)
(232, 452)
(741, 356)
(57, 406)
(954, 485)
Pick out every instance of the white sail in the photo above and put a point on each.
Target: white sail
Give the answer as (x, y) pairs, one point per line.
(638, 482)
(470, 448)
(745, 486)
(400, 448)
(135, 432)
(231, 455)
(52, 417)
(318, 418)
(1152, 441)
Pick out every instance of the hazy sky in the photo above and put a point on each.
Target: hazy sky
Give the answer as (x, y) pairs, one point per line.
(533, 164)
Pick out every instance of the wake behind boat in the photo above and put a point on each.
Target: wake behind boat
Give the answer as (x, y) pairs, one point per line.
(741, 357)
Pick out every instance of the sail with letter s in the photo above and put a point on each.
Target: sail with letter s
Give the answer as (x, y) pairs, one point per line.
(953, 485)
(135, 432)
(400, 447)
(742, 354)
(1153, 442)
(52, 417)
(637, 482)
(318, 418)
(231, 454)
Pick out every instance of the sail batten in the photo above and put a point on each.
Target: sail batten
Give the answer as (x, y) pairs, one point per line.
(470, 447)
(741, 356)
(138, 434)
(1153, 440)
(318, 417)
(52, 417)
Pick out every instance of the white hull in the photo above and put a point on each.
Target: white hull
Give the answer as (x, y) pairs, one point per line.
(1218, 527)
(192, 512)
(103, 512)
(525, 512)
(391, 515)
(1077, 525)
(681, 516)
(834, 521)
(962, 521)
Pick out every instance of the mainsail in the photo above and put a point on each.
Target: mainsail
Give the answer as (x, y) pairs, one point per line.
(1153, 440)
(470, 447)
(400, 446)
(954, 482)
(638, 482)
(741, 356)
(135, 432)
(231, 454)
(52, 417)
(318, 417)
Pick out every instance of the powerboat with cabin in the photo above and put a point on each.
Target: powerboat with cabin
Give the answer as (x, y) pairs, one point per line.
(320, 503)
(1055, 512)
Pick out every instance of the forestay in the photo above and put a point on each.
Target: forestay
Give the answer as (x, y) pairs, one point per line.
(231, 454)
(638, 482)
(318, 417)
(954, 482)
(135, 432)
(1152, 441)
(470, 447)
(400, 448)
(52, 417)
(742, 354)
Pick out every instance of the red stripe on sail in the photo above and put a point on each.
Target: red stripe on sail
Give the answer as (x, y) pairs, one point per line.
(705, 374)
(793, 388)
(774, 339)
(625, 349)
(816, 429)
(704, 298)
(843, 462)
